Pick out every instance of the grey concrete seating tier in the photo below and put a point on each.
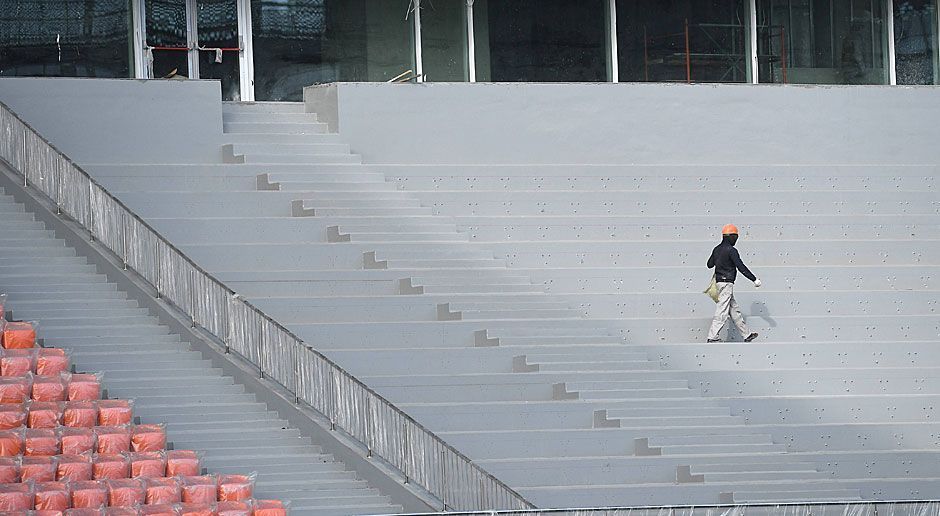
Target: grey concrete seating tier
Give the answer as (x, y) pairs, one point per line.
(547, 320)
(105, 330)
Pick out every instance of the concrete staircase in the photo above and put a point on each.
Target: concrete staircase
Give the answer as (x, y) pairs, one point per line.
(547, 320)
(141, 359)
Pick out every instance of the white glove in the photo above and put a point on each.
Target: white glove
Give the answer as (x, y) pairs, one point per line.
(757, 283)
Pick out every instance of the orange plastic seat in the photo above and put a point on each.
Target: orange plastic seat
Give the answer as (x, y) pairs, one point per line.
(37, 469)
(269, 508)
(52, 361)
(158, 510)
(41, 442)
(89, 495)
(19, 335)
(11, 442)
(12, 416)
(115, 412)
(163, 491)
(16, 497)
(84, 387)
(126, 492)
(236, 488)
(50, 388)
(80, 414)
(195, 509)
(113, 439)
(73, 468)
(147, 465)
(233, 509)
(77, 440)
(202, 489)
(52, 496)
(110, 467)
(15, 389)
(148, 438)
(9, 470)
(182, 463)
(45, 414)
(18, 362)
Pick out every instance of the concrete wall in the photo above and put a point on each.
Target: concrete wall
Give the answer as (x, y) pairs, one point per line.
(632, 123)
(117, 115)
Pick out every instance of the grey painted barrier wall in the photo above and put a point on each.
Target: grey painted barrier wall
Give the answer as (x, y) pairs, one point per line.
(119, 117)
(632, 123)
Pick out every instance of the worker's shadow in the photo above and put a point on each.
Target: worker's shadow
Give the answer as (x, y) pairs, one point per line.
(759, 309)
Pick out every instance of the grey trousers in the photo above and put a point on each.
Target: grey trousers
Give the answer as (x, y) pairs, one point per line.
(727, 307)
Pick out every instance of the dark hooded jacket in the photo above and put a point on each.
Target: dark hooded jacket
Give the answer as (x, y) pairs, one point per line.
(727, 262)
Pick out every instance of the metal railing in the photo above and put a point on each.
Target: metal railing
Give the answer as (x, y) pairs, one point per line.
(280, 356)
(848, 508)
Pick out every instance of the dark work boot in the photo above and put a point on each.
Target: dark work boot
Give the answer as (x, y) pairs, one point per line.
(751, 337)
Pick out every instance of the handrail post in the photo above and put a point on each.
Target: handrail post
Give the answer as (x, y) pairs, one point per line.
(124, 238)
(443, 480)
(157, 270)
(370, 426)
(332, 413)
(91, 212)
(192, 296)
(260, 347)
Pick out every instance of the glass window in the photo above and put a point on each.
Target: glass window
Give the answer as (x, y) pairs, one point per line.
(444, 40)
(66, 38)
(166, 37)
(540, 40)
(302, 42)
(822, 41)
(682, 40)
(915, 41)
(217, 28)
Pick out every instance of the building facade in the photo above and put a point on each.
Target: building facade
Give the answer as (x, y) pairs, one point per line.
(270, 49)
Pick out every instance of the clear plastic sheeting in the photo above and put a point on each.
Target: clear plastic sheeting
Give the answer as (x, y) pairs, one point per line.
(280, 356)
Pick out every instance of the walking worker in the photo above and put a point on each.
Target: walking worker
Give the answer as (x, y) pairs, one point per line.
(727, 262)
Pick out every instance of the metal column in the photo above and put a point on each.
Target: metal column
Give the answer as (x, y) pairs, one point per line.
(246, 56)
(419, 59)
(614, 67)
(471, 46)
(141, 66)
(889, 47)
(192, 38)
(753, 68)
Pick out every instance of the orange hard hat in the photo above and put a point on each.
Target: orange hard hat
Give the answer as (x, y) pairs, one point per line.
(729, 229)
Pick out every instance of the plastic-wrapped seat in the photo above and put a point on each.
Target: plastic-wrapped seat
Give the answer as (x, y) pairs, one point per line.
(80, 414)
(16, 497)
(268, 508)
(15, 389)
(84, 387)
(11, 442)
(182, 463)
(52, 496)
(52, 361)
(13, 415)
(113, 439)
(45, 414)
(158, 510)
(203, 489)
(148, 438)
(37, 469)
(110, 467)
(9, 470)
(77, 440)
(19, 335)
(147, 465)
(195, 509)
(163, 490)
(74, 468)
(42, 442)
(18, 362)
(89, 495)
(233, 509)
(50, 388)
(126, 492)
(236, 488)
(115, 412)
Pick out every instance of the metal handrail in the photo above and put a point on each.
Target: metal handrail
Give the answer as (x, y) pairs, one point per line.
(281, 356)
(848, 508)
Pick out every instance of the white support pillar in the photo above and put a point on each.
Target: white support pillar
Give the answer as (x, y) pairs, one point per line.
(613, 51)
(419, 58)
(192, 38)
(141, 66)
(753, 67)
(246, 56)
(471, 45)
(889, 47)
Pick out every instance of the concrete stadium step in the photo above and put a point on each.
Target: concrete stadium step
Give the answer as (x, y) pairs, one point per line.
(261, 116)
(275, 127)
(807, 495)
(710, 439)
(367, 212)
(350, 203)
(406, 236)
(290, 148)
(251, 137)
(275, 108)
(302, 158)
